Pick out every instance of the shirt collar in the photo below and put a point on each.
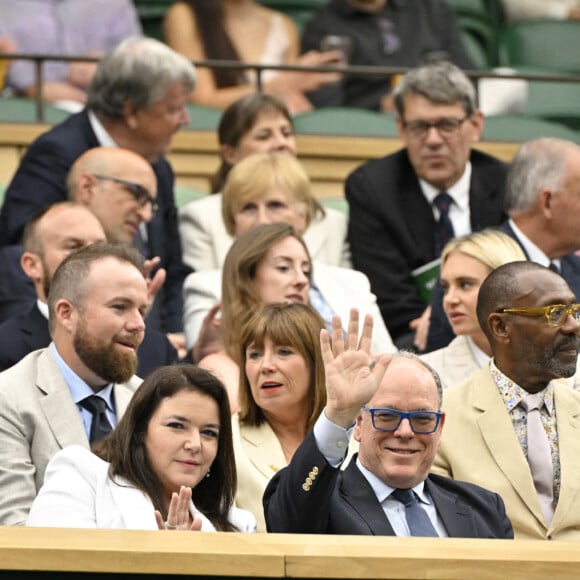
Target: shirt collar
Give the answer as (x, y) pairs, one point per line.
(79, 390)
(383, 491)
(532, 251)
(103, 136)
(43, 307)
(512, 393)
(459, 191)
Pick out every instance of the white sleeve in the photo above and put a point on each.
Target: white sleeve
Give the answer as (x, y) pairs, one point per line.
(67, 498)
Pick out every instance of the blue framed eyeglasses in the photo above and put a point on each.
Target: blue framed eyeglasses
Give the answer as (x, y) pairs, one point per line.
(389, 420)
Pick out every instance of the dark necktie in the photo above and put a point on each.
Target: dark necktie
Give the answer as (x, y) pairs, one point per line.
(443, 228)
(417, 518)
(540, 455)
(100, 426)
(554, 267)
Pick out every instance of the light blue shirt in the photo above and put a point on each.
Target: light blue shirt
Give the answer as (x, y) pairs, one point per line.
(79, 390)
(332, 441)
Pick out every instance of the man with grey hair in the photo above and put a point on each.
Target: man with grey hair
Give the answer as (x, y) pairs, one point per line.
(386, 489)
(73, 391)
(137, 101)
(543, 204)
(404, 207)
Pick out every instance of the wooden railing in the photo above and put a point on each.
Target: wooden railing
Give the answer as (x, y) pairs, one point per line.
(102, 553)
(194, 155)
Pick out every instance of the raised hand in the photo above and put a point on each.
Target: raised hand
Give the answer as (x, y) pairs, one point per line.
(350, 381)
(178, 514)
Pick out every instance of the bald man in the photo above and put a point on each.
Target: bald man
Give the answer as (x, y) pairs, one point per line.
(120, 188)
(49, 238)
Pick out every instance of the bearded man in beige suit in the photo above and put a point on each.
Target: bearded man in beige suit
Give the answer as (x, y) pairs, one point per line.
(97, 301)
(532, 322)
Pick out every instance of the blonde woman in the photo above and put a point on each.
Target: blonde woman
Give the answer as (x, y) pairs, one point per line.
(465, 263)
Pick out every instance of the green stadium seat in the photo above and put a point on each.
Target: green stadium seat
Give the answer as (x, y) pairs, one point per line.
(517, 128)
(23, 110)
(203, 118)
(151, 14)
(345, 121)
(548, 44)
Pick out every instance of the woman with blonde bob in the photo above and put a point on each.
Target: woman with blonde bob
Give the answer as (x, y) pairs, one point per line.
(282, 393)
(465, 263)
(284, 177)
(257, 123)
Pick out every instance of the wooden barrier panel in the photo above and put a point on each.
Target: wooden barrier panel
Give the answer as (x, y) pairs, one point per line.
(50, 553)
(194, 155)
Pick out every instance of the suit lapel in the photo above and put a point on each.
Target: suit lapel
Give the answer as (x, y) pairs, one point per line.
(357, 492)
(34, 328)
(454, 514)
(57, 405)
(132, 505)
(569, 449)
(500, 437)
(263, 448)
(484, 191)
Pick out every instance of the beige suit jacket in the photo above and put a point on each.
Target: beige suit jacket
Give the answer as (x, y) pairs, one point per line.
(259, 456)
(454, 363)
(479, 445)
(205, 241)
(37, 418)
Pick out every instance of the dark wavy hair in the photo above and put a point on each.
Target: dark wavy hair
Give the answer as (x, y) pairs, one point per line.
(125, 448)
(217, 45)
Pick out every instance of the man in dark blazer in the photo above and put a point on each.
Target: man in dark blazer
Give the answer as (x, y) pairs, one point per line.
(393, 220)
(542, 200)
(136, 101)
(386, 488)
(49, 238)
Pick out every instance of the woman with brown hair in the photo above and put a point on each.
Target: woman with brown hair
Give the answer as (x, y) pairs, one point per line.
(169, 464)
(282, 393)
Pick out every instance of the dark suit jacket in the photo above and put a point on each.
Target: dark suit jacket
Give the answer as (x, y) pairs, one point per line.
(29, 331)
(440, 331)
(391, 227)
(40, 181)
(343, 502)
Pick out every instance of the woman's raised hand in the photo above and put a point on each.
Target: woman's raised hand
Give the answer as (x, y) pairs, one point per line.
(178, 514)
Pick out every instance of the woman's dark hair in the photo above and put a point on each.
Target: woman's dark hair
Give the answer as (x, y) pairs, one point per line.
(125, 449)
(237, 120)
(217, 45)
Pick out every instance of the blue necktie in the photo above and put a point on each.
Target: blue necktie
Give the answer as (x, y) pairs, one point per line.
(443, 228)
(100, 426)
(417, 518)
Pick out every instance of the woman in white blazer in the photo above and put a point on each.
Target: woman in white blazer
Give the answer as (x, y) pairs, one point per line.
(269, 188)
(465, 263)
(169, 464)
(257, 123)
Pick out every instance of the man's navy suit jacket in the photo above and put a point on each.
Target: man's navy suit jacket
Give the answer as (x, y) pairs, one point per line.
(22, 334)
(310, 496)
(391, 227)
(40, 181)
